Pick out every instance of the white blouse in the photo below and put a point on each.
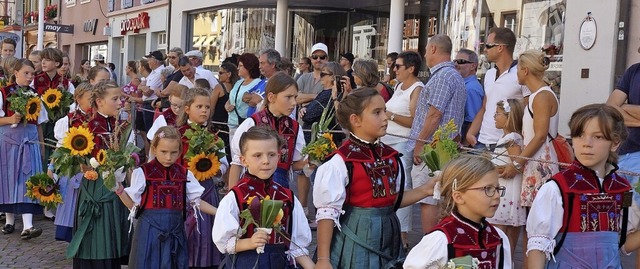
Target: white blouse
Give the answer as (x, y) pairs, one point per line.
(546, 215)
(226, 228)
(138, 183)
(248, 123)
(432, 252)
(329, 189)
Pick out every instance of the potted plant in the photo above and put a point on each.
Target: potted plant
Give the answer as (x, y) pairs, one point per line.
(51, 12)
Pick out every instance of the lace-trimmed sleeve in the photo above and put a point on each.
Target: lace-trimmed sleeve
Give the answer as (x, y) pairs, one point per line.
(545, 219)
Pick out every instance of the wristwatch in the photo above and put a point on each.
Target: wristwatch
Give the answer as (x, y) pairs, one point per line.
(517, 165)
(393, 116)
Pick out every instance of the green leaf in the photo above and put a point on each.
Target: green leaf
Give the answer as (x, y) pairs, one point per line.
(269, 211)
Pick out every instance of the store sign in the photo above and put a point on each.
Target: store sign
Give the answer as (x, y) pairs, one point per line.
(58, 28)
(135, 24)
(90, 26)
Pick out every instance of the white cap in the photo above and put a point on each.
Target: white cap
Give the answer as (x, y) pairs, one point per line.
(194, 53)
(320, 46)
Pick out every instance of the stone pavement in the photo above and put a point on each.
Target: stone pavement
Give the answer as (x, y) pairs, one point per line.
(44, 252)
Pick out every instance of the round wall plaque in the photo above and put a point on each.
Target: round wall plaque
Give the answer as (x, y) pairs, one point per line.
(588, 32)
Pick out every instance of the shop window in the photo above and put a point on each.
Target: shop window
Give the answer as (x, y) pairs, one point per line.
(127, 4)
(70, 3)
(509, 20)
(162, 41)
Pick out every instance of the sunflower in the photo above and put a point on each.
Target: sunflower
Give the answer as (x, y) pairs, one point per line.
(79, 140)
(33, 109)
(101, 157)
(52, 97)
(204, 166)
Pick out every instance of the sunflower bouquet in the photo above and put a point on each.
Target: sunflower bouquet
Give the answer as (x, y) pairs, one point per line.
(321, 143)
(57, 102)
(265, 214)
(443, 148)
(26, 103)
(75, 151)
(3, 82)
(42, 188)
(205, 152)
(119, 157)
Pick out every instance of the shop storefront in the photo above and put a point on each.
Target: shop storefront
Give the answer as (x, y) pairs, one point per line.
(88, 38)
(135, 34)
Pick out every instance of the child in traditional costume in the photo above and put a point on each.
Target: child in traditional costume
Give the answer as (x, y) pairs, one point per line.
(280, 101)
(21, 149)
(65, 213)
(101, 239)
(579, 217)
(470, 194)
(159, 193)
(202, 251)
(260, 148)
(358, 190)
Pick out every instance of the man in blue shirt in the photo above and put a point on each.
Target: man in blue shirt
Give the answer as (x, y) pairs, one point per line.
(467, 64)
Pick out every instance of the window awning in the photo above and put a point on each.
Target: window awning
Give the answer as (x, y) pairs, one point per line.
(211, 40)
(197, 41)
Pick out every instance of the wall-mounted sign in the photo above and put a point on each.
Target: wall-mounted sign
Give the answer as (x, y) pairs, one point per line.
(58, 28)
(90, 26)
(588, 32)
(135, 24)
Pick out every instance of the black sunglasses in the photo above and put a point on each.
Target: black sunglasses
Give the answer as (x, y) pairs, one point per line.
(491, 45)
(323, 74)
(398, 66)
(315, 57)
(461, 61)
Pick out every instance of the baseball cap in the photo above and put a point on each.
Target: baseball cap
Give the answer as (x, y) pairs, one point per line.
(99, 58)
(320, 46)
(349, 56)
(194, 53)
(156, 55)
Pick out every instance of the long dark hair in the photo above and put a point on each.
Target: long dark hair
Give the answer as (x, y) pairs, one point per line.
(233, 72)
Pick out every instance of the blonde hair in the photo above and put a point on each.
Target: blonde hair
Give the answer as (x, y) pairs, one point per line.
(82, 88)
(514, 116)
(460, 174)
(188, 97)
(7, 65)
(535, 61)
(100, 90)
(166, 132)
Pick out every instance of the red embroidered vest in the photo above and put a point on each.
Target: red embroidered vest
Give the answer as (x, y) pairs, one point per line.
(170, 117)
(467, 238)
(101, 127)
(6, 92)
(166, 186)
(42, 82)
(594, 208)
(249, 186)
(78, 117)
(286, 127)
(374, 175)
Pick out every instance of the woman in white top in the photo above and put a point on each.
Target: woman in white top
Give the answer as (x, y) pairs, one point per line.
(400, 111)
(540, 121)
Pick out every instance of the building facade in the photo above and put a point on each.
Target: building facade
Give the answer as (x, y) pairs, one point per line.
(88, 38)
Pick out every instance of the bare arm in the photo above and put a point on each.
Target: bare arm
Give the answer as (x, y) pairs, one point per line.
(536, 259)
(431, 124)
(631, 113)
(208, 208)
(474, 128)
(251, 99)
(234, 174)
(125, 198)
(214, 98)
(325, 233)
(413, 196)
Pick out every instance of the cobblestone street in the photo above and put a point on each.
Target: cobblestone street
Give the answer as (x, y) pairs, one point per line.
(44, 252)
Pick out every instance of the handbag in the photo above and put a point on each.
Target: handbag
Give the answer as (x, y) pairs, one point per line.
(563, 149)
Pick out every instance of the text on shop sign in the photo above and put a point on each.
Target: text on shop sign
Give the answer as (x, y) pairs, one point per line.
(135, 24)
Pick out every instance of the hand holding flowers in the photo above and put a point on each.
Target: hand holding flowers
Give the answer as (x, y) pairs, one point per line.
(264, 214)
(26, 103)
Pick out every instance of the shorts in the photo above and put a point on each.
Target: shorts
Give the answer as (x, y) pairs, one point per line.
(419, 177)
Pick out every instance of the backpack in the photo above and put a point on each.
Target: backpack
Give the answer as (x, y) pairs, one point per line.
(389, 89)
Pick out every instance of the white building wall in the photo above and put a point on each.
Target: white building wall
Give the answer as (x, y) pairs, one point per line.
(600, 60)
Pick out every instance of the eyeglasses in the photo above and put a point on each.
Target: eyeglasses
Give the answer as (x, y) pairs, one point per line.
(491, 45)
(397, 66)
(315, 57)
(222, 72)
(323, 74)
(174, 105)
(490, 191)
(172, 57)
(462, 61)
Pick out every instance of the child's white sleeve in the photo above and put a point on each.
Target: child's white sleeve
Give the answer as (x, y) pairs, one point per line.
(194, 189)
(235, 141)
(226, 224)
(300, 143)
(329, 191)
(545, 219)
(300, 232)
(430, 252)
(224, 163)
(60, 130)
(138, 183)
(506, 246)
(159, 122)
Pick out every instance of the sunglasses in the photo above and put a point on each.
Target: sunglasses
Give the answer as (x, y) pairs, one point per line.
(315, 57)
(491, 45)
(172, 57)
(398, 65)
(462, 61)
(323, 74)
